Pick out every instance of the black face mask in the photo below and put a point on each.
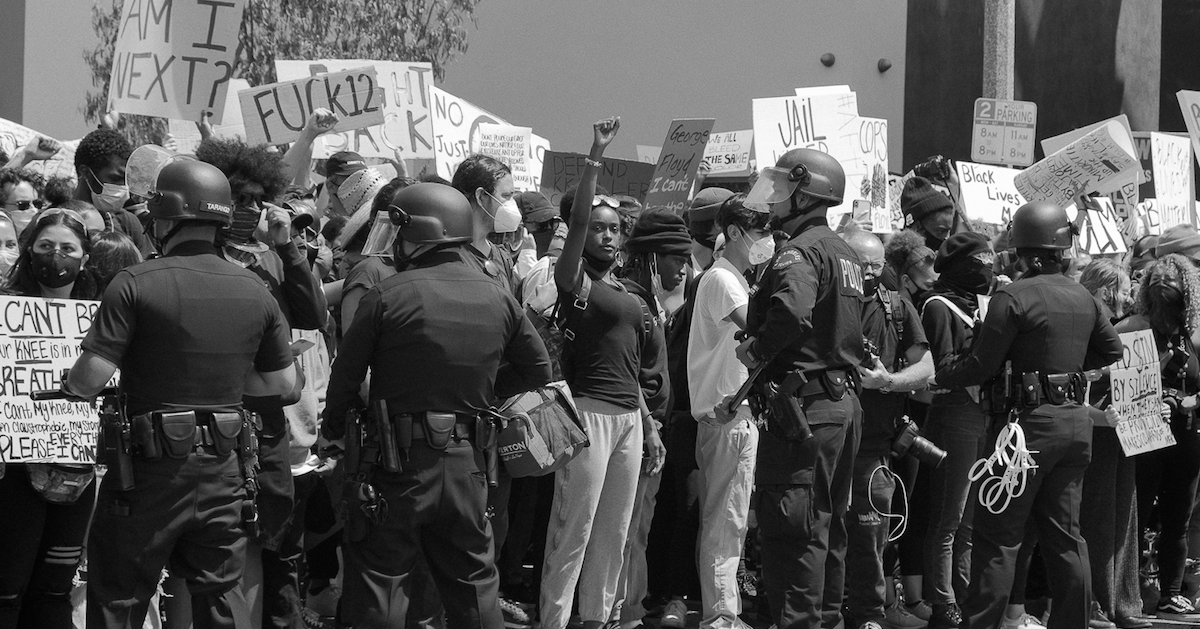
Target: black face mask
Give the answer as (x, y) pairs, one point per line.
(54, 270)
(971, 275)
(1166, 297)
(708, 242)
(870, 287)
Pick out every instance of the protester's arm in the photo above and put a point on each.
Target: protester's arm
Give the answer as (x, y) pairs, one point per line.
(39, 147)
(656, 452)
(299, 154)
(302, 291)
(566, 272)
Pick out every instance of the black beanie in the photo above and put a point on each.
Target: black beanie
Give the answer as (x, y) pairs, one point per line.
(959, 247)
(920, 199)
(659, 230)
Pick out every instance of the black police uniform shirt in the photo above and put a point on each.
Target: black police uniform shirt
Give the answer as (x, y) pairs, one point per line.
(806, 311)
(1047, 323)
(186, 329)
(434, 337)
(881, 410)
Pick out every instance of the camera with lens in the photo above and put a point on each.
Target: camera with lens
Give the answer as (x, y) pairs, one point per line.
(936, 167)
(908, 440)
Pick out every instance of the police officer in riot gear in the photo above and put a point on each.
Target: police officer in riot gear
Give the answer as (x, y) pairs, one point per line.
(191, 335)
(1047, 329)
(434, 336)
(805, 325)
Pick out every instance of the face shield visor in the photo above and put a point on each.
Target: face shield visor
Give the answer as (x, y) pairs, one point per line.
(381, 237)
(774, 185)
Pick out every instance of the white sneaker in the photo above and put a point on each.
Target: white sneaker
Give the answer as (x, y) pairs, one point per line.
(1026, 621)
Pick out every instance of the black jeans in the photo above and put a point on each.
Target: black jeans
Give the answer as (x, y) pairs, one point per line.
(40, 547)
(1170, 475)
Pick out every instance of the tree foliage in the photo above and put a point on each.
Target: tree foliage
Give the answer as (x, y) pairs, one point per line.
(392, 30)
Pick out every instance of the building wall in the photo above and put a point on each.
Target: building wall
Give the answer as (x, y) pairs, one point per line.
(12, 50)
(1080, 60)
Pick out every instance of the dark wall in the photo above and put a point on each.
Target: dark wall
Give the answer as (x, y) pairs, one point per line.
(1080, 60)
(1180, 58)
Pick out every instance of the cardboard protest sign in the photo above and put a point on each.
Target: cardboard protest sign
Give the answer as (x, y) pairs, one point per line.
(38, 339)
(1136, 389)
(277, 113)
(989, 193)
(862, 150)
(728, 153)
(407, 129)
(1102, 232)
(618, 176)
(510, 145)
(14, 137)
(187, 136)
(1100, 161)
(1189, 102)
(538, 146)
(455, 129)
(1144, 221)
(174, 58)
(1141, 143)
(1174, 187)
(648, 154)
(675, 172)
(791, 122)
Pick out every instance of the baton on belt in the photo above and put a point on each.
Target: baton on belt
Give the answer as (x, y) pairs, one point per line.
(744, 391)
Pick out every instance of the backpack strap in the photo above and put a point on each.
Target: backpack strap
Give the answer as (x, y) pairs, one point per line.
(966, 319)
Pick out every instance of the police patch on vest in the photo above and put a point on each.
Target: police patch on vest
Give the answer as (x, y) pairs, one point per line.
(218, 208)
(850, 277)
(786, 258)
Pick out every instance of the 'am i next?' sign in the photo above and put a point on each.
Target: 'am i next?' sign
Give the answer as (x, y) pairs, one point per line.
(174, 58)
(38, 339)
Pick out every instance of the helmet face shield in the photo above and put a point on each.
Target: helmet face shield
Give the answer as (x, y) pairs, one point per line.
(381, 237)
(143, 166)
(774, 185)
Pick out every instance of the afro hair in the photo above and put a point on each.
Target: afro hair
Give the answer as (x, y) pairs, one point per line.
(905, 249)
(244, 164)
(98, 147)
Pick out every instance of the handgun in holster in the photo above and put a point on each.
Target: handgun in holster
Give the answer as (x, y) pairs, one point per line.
(786, 417)
(357, 473)
(116, 443)
(487, 430)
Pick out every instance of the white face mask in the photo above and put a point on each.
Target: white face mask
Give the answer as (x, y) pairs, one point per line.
(760, 250)
(8, 257)
(111, 197)
(507, 217)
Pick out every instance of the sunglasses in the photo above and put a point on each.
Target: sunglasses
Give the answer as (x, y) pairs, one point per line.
(604, 199)
(24, 206)
(542, 227)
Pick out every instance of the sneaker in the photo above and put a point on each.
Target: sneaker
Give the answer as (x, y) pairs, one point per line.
(674, 615)
(324, 601)
(1026, 621)
(514, 616)
(1099, 619)
(1178, 607)
(946, 616)
(870, 624)
(897, 616)
(313, 620)
(921, 609)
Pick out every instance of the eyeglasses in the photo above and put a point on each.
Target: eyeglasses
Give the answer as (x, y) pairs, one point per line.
(24, 206)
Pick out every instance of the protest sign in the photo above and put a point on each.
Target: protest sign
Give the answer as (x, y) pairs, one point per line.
(187, 136)
(1136, 389)
(510, 145)
(276, 113)
(791, 122)
(38, 339)
(1189, 102)
(728, 153)
(989, 193)
(174, 58)
(1003, 132)
(618, 176)
(1123, 190)
(455, 129)
(1102, 231)
(648, 154)
(1097, 162)
(1141, 143)
(862, 150)
(538, 146)
(1174, 188)
(14, 137)
(675, 172)
(1144, 221)
(407, 129)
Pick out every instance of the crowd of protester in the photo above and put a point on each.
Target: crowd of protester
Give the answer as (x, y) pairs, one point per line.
(653, 522)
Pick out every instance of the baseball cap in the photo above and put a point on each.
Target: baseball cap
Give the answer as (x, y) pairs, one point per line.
(535, 208)
(344, 163)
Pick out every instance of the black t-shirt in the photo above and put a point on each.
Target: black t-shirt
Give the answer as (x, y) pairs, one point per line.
(604, 359)
(186, 329)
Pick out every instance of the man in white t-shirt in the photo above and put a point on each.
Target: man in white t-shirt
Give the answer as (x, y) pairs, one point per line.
(726, 442)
